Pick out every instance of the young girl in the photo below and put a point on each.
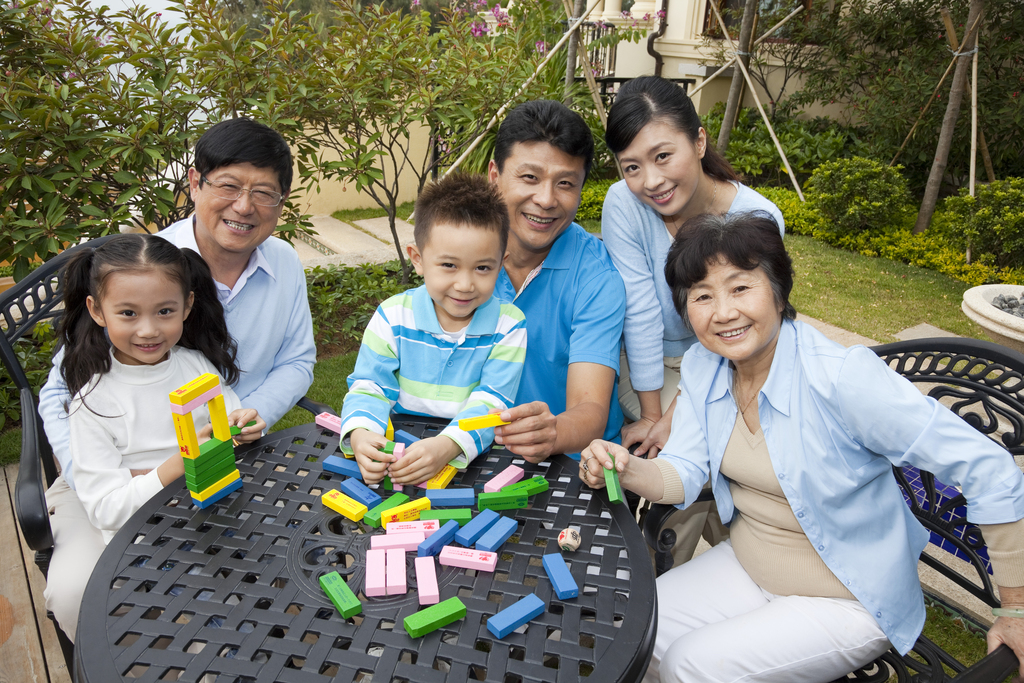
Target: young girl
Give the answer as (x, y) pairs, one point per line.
(141, 319)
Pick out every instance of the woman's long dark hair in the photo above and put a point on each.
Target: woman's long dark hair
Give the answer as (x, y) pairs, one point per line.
(86, 348)
(652, 98)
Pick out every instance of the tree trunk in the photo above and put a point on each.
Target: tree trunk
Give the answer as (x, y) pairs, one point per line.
(732, 106)
(570, 57)
(956, 93)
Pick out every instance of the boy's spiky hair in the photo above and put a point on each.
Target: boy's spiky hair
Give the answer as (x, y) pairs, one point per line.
(461, 199)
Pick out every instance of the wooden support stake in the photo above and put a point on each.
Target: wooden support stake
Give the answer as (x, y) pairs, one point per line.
(757, 101)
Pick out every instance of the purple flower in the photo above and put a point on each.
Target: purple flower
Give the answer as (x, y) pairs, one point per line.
(661, 13)
(415, 3)
(541, 46)
(647, 17)
(478, 29)
(626, 14)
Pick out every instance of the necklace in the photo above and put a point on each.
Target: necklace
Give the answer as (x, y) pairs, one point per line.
(736, 393)
(714, 196)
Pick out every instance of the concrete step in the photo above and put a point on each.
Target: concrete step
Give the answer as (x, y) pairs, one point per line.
(340, 243)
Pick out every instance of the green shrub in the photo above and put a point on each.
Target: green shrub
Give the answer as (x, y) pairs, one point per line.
(343, 299)
(592, 201)
(857, 195)
(801, 218)
(34, 353)
(990, 224)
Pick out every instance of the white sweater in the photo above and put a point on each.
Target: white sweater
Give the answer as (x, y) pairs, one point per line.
(125, 424)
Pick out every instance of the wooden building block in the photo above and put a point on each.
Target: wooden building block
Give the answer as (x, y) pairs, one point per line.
(442, 498)
(530, 487)
(432, 545)
(500, 500)
(469, 534)
(432, 618)
(396, 584)
(506, 477)
(426, 581)
(481, 560)
(560, 577)
(329, 421)
(185, 431)
(423, 526)
(341, 595)
(405, 512)
(372, 518)
(496, 536)
(441, 479)
(196, 402)
(218, 495)
(357, 490)
(511, 618)
(219, 418)
(342, 504)
(230, 478)
(461, 515)
(194, 389)
(407, 542)
(375, 583)
(342, 466)
(468, 424)
(611, 482)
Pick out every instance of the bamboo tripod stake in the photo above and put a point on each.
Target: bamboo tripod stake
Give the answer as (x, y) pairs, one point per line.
(757, 101)
(979, 137)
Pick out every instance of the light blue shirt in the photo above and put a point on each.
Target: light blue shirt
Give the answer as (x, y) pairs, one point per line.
(574, 309)
(268, 317)
(638, 243)
(835, 421)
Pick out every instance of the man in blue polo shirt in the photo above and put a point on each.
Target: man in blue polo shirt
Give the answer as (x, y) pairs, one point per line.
(563, 280)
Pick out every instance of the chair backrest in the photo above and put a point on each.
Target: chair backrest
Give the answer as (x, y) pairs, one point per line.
(983, 383)
(35, 299)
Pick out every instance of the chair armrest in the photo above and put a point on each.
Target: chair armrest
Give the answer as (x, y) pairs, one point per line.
(993, 667)
(314, 407)
(655, 519)
(30, 491)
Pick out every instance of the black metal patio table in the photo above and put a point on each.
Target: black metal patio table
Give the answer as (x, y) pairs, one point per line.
(231, 593)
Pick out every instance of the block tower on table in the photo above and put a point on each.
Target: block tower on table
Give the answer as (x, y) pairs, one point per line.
(210, 470)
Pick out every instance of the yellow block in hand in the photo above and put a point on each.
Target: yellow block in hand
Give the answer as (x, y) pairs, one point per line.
(197, 387)
(468, 424)
(442, 478)
(342, 504)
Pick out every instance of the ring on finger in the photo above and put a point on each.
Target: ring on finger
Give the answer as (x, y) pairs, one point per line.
(586, 470)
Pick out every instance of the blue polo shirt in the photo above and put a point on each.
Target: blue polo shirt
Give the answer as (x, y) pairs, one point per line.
(574, 309)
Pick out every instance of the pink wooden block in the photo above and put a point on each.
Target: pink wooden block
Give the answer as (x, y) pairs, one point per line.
(328, 421)
(398, 453)
(196, 402)
(409, 541)
(375, 584)
(424, 526)
(426, 581)
(467, 558)
(396, 571)
(509, 475)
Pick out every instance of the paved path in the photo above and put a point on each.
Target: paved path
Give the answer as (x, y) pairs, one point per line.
(351, 244)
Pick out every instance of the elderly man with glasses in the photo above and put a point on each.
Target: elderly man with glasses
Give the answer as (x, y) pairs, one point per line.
(242, 174)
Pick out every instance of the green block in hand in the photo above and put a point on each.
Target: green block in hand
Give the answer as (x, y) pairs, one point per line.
(611, 482)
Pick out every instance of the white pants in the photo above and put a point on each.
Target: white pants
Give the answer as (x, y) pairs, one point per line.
(716, 624)
(77, 546)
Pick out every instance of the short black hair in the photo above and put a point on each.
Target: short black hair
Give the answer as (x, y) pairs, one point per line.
(461, 199)
(545, 121)
(746, 240)
(242, 140)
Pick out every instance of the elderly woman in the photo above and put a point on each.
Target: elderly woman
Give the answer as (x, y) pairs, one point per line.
(797, 436)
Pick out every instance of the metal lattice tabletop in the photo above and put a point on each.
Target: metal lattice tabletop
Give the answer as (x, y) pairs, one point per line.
(231, 593)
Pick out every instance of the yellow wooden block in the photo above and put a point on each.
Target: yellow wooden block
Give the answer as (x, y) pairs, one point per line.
(219, 418)
(185, 430)
(342, 504)
(389, 433)
(468, 424)
(214, 488)
(197, 387)
(406, 512)
(442, 478)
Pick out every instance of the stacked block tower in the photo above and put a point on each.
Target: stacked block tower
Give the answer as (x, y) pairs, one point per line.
(210, 470)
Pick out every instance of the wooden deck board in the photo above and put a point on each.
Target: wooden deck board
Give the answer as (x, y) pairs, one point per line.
(21, 651)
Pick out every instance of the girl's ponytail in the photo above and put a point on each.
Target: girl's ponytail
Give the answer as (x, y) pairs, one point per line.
(205, 329)
(86, 349)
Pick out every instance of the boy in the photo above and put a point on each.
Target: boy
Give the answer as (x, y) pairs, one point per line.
(448, 348)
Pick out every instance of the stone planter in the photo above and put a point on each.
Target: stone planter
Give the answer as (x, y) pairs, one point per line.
(6, 283)
(1002, 327)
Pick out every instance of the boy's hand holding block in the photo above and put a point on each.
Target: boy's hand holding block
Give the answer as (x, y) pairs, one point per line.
(468, 424)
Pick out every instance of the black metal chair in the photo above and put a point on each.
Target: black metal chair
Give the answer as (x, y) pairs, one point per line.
(983, 383)
(37, 299)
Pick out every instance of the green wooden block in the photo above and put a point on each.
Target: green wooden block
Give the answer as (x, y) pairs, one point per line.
(201, 480)
(500, 500)
(235, 430)
(460, 515)
(611, 482)
(386, 484)
(428, 620)
(389, 447)
(341, 595)
(215, 448)
(372, 518)
(200, 466)
(530, 487)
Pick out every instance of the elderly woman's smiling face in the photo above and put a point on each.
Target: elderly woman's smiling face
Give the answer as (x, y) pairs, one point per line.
(734, 313)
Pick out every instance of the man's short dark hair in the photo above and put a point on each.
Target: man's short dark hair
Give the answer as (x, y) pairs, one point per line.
(242, 140)
(461, 199)
(545, 121)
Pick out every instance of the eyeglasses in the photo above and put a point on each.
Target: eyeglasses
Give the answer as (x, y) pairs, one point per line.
(233, 192)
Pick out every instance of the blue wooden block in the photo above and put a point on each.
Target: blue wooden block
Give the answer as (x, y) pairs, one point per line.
(359, 491)
(496, 536)
(558, 573)
(469, 534)
(345, 466)
(451, 498)
(511, 618)
(220, 495)
(438, 539)
(402, 436)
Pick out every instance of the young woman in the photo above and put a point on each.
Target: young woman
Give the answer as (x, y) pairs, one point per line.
(142, 318)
